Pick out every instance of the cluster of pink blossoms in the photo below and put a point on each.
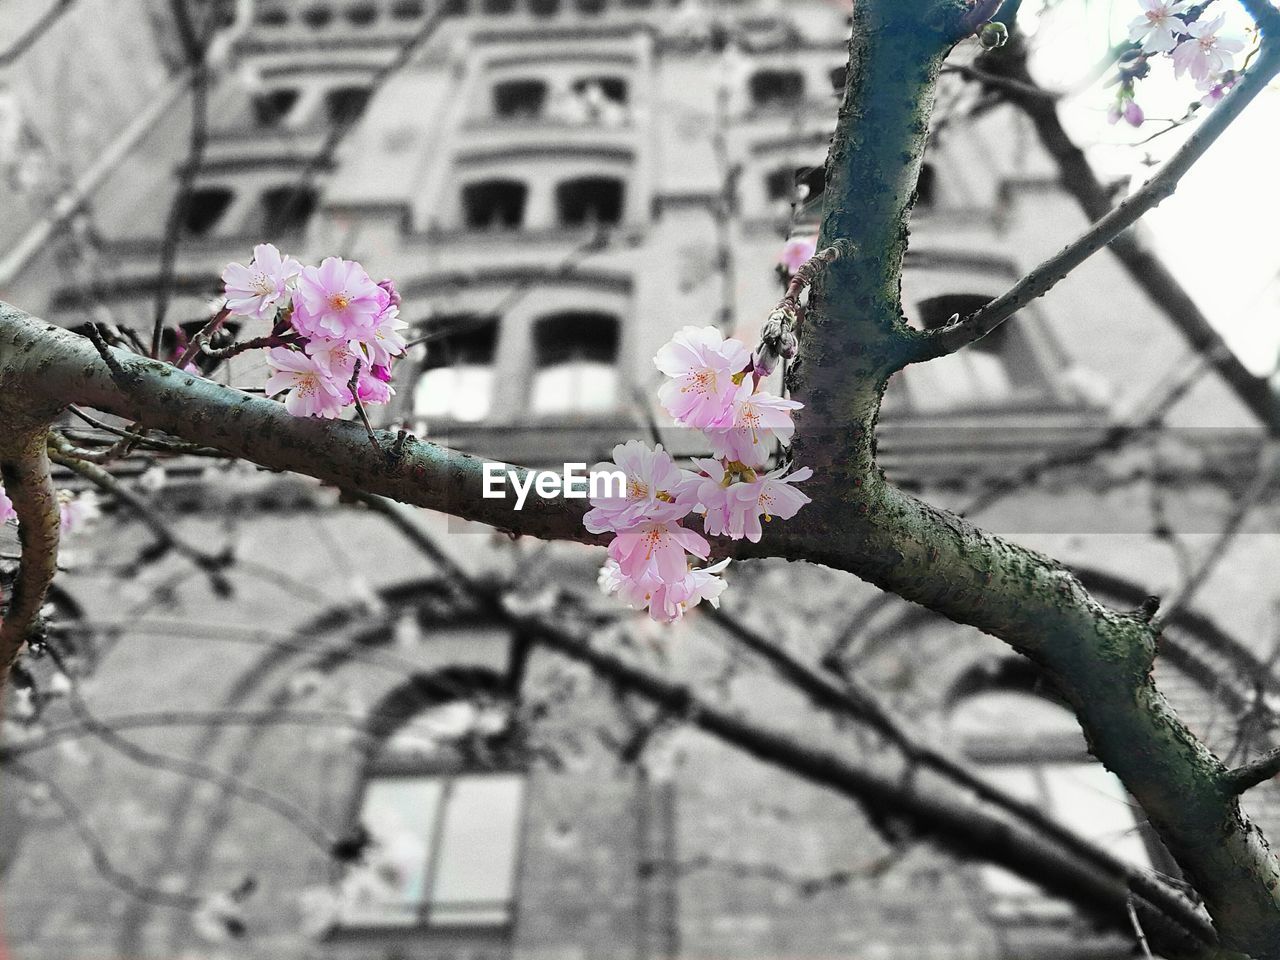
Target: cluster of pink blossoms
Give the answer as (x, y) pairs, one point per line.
(327, 320)
(714, 387)
(1194, 46)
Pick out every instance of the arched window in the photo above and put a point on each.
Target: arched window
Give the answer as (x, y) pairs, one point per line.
(273, 17)
(457, 379)
(317, 17)
(442, 806)
(603, 99)
(590, 200)
(491, 204)
(777, 88)
(272, 107)
(1030, 744)
(345, 105)
(206, 206)
(361, 14)
(575, 356)
(407, 9)
(519, 99)
(288, 209)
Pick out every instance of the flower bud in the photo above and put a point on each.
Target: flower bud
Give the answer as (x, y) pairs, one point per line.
(993, 35)
(390, 287)
(765, 361)
(789, 347)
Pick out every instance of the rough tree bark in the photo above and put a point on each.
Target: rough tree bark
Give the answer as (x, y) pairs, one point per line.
(854, 339)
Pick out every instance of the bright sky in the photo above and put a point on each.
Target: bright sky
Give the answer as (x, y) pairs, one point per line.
(1219, 231)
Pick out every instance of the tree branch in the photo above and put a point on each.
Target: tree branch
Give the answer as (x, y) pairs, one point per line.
(1043, 278)
(24, 471)
(1143, 266)
(260, 430)
(1253, 773)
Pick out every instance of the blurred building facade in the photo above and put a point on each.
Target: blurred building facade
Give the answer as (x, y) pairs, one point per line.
(556, 187)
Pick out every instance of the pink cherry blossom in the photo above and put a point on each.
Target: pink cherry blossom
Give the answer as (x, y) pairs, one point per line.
(657, 547)
(771, 496)
(7, 512)
(665, 602)
(259, 289)
(1205, 54)
(702, 365)
(797, 252)
(384, 341)
(311, 391)
(710, 491)
(754, 419)
(1216, 88)
(652, 481)
(374, 385)
(669, 601)
(1159, 25)
(337, 299)
(334, 357)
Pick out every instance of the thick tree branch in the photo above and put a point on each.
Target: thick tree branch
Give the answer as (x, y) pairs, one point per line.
(1160, 187)
(24, 470)
(1101, 660)
(260, 430)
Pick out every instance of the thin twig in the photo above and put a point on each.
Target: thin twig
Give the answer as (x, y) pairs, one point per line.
(1137, 928)
(97, 851)
(35, 32)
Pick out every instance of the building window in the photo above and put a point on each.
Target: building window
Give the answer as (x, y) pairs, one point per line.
(407, 9)
(273, 17)
(777, 88)
(544, 8)
(838, 76)
(361, 14)
(612, 89)
(453, 8)
(499, 7)
(801, 184)
(519, 99)
(494, 204)
(576, 358)
(287, 209)
(590, 200)
(590, 7)
(927, 186)
(205, 207)
(271, 108)
(444, 825)
(603, 100)
(345, 105)
(457, 379)
(1028, 743)
(999, 368)
(317, 17)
